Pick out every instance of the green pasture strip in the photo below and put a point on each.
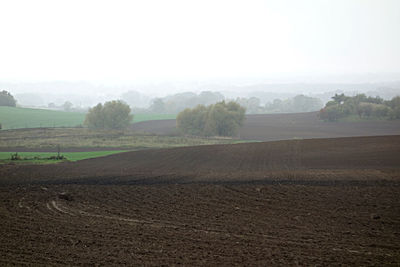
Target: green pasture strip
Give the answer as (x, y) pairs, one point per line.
(71, 156)
(152, 117)
(14, 118)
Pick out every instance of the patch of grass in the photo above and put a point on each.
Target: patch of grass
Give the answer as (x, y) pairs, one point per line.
(152, 117)
(75, 156)
(44, 157)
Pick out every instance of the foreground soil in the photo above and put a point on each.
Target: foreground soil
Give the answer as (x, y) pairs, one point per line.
(197, 224)
(299, 202)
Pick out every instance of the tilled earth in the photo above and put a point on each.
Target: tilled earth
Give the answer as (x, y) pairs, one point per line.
(198, 224)
(308, 202)
(273, 127)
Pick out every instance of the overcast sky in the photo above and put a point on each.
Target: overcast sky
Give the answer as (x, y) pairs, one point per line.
(130, 41)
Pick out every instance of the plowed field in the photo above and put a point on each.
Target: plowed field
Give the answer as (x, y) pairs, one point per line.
(299, 202)
(272, 127)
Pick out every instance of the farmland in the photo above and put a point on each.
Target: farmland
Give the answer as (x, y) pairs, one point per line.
(82, 139)
(298, 202)
(272, 127)
(205, 201)
(15, 118)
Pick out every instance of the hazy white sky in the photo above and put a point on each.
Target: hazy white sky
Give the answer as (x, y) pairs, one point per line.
(166, 40)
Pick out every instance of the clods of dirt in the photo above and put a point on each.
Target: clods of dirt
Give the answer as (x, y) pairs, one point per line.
(65, 196)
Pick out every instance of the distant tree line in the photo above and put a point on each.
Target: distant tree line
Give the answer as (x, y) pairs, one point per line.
(220, 119)
(342, 106)
(176, 103)
(299, 103)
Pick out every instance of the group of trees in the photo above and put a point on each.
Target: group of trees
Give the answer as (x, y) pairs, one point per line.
(220, 119)
(6, 99)
(112, 115)
(364, 107)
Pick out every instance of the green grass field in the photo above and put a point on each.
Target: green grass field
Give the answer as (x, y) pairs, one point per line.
(16, 118)
(71, 156)
(152, 117)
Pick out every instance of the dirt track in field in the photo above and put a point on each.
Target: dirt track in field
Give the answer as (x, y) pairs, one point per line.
(298, 202)
(272, 127)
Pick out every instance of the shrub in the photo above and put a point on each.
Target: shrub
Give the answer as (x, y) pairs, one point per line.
(113, 115)
(222, 119)
(15, 156)
(331, 113)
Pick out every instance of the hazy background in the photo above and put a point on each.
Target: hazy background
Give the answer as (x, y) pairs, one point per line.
(91, 51)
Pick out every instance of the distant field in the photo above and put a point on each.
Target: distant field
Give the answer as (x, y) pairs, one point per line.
(15, 118)
(71, 156)
(273, 127)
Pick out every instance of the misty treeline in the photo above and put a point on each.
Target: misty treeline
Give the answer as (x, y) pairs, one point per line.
(7, 99)
(299, 103)
(176, 103)
(361, 106)
(220, 119)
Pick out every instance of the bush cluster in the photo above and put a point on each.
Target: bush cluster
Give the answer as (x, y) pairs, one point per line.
(220, 119)
(15, 156)
(112, 115)
(343, 106)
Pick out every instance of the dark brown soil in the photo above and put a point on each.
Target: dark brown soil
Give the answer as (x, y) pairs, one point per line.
(337, 158)
(200, 225)
(161, 127)
(272, 127)
(300, 202)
